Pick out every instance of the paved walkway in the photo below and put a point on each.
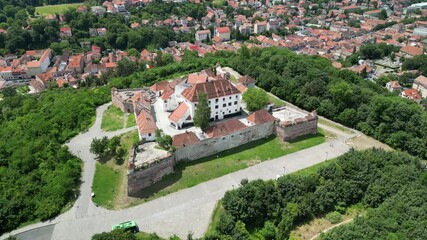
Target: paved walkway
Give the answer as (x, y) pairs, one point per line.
(188, 210)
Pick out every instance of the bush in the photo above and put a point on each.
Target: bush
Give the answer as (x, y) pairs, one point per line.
(333, 217)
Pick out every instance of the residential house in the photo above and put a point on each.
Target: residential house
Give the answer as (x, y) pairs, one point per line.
(202, 35)
(65, 32)
(411, 94)
(223, 33)
(260, 27)
(76, 63)
(41, 65)
(372, 13)
(393, 86)
(273, 25)
(411, 51)
(420, 84)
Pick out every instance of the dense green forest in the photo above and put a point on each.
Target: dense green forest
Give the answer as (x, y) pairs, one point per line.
(311, 83)
(38, 176)
(391, 184)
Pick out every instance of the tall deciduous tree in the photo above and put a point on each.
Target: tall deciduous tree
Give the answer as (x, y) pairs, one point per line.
(203, 112)
(255, 99)
(99, 146)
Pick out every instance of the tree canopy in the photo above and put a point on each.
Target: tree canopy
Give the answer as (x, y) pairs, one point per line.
(255, 99)
(391, 183)
(203, 112)
(38, 175)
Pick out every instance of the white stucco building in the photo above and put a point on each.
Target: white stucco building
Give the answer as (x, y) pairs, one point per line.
(223, 97)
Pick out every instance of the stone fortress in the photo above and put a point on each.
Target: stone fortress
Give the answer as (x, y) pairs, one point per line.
(170, 106)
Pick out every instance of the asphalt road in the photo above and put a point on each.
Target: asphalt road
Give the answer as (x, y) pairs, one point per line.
(41, 233)
(188, 210)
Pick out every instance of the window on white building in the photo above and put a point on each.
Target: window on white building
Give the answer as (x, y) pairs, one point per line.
(229, 104)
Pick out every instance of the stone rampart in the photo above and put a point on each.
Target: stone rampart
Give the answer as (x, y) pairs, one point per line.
(291, 131)
(210, 146)
(144, 177)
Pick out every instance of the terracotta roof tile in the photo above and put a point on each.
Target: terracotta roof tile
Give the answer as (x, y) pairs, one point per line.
(213, 89)
(179, 112)
(223, 29)
(160, 86)
(260, 117)
(225, 128)
(184, 139)
(145, 123)
(411, 50)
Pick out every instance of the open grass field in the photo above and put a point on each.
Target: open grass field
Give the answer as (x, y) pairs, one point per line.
(110, 182)
(113, 119)
(105, 185)
(52, 9)
(189, 174)
(131, 120)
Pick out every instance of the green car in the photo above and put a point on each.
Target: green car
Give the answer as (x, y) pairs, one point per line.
(129, 225)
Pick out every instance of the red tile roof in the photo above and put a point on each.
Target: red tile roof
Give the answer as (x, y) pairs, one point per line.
(260, 117)
(223, 29)
(166, 95)
(179, 112)
(145, 123)
(225, 128)
(197, 78)
(411, 50)
(213, 89)
(160, 86)
(412, 94)
(184, 139)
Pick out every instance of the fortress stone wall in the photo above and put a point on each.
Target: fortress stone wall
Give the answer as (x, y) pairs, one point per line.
(139, 179)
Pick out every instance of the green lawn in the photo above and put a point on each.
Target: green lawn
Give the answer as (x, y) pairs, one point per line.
(105, 185)
(110, 177)
(52, 9)
(113, 119)
(131, 120)
(189, 174)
